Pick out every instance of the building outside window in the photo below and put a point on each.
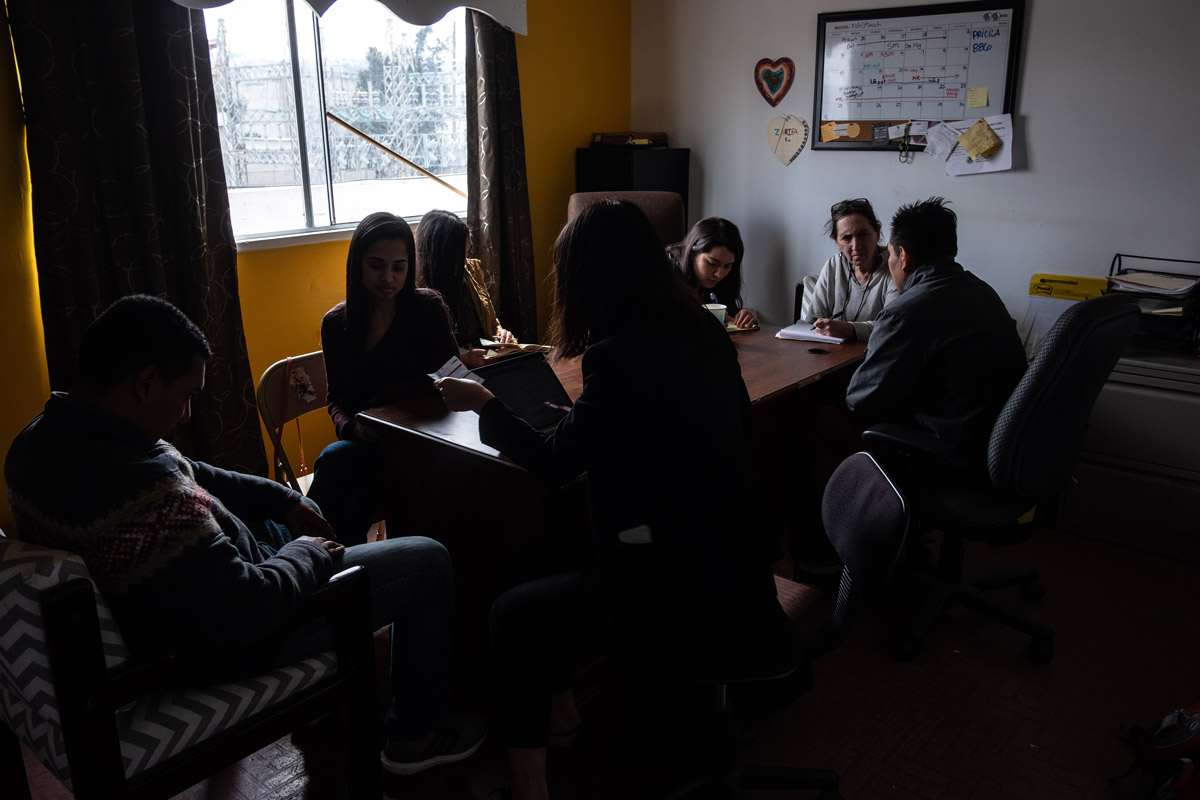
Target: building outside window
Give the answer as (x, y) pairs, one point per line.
(278, 68)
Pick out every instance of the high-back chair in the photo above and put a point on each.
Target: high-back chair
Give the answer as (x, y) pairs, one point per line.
(109, 725)
(1033, 448)
(288, 389)
(866, 518)
(664, 209)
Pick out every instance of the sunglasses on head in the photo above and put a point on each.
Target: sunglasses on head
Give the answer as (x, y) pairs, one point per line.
(845, 206)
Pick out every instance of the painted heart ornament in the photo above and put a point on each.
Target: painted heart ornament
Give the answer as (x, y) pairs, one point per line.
(787, 137)
(774, 78)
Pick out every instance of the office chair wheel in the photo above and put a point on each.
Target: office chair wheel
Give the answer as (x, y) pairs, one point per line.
(905, 649)
(1041, 650)
(1032, 591)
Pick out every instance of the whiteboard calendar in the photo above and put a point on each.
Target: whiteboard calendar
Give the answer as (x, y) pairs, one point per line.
(879, 71)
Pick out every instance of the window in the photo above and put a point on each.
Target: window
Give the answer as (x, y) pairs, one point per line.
(278, 68)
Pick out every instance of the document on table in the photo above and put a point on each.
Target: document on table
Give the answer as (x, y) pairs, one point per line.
(454, 368)
(805, 332)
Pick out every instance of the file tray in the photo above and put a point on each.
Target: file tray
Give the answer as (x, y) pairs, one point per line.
(1168, 292)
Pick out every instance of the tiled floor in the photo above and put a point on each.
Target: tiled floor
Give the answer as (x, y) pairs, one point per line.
(969, 719)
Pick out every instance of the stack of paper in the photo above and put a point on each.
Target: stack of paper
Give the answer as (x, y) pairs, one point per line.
(1154, 283)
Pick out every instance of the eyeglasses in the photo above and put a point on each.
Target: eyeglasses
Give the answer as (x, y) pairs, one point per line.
(849, 206)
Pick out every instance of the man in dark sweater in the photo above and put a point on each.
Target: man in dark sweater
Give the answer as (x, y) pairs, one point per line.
(945, 355)
(186, 551)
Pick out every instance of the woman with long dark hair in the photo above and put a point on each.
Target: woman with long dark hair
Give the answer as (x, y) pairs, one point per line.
(443, 241)
(662, 397)
(379, 346)
(710, 260)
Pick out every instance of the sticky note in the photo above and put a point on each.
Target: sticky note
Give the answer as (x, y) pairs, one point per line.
(979, 140)
(827, 132)
(896, 131)
(977, 97)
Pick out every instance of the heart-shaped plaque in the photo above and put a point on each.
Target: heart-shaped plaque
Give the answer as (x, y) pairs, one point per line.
(774, 78)
(787, 137)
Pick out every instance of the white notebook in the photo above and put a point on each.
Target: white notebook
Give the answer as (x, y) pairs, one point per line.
(804, 332)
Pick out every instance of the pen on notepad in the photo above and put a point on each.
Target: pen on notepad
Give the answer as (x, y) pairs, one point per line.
(838, 315)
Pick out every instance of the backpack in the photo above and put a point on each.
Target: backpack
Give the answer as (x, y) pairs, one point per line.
(1167, 755)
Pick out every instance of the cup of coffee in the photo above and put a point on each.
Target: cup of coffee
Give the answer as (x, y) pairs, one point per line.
(718, 310)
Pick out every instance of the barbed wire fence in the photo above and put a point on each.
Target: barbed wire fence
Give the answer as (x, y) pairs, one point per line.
(421, 115)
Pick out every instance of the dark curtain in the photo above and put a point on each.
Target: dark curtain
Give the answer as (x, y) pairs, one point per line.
(129, 192)
(498, 208)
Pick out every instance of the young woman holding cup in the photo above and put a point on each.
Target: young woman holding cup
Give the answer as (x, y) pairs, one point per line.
(710, 260)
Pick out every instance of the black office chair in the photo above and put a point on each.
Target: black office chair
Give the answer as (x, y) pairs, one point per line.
(866, 518)
(1032, 450)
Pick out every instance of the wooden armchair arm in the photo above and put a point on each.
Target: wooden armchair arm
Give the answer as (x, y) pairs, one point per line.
(346, 597)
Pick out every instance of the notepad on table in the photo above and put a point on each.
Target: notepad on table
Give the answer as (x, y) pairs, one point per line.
(805, 332)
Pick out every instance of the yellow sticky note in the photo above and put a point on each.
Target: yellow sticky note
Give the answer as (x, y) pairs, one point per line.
(828, 132)
(979, 140)
(977, 97)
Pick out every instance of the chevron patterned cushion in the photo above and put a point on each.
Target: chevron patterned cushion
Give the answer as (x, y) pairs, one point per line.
(154, 728)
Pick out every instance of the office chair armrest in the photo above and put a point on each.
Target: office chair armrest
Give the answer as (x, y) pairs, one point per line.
(904, 439)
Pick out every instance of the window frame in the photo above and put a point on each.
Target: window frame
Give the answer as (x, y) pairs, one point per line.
(311, 163)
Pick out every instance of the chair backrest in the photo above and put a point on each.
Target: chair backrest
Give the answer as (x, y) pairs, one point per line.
(1036, 438)
(665, 210)
(866, 518)
(288, 389)
(803, 300)
(28, 698)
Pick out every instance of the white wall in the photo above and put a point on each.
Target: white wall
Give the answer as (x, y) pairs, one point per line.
(1107, 158)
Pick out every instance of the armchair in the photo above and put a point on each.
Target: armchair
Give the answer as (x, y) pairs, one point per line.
(108, 725)
(664, 209)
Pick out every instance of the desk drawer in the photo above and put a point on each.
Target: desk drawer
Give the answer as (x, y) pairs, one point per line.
(1148, 428)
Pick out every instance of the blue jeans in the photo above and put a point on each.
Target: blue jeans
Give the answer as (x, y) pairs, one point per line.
(348, 488)
(411, 582)
(412, 588)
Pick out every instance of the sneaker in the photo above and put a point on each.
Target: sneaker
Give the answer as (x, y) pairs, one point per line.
(452, 739)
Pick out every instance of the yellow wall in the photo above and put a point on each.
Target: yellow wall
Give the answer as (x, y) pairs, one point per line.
(22, 348)
(575, 79)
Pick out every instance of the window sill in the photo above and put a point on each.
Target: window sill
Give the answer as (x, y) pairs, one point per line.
(273, 241)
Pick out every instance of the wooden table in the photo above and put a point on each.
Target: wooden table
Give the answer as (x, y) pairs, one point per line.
(503, 526)
(774, 371)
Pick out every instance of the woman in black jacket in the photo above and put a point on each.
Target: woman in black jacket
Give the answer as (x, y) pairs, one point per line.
(660, 430)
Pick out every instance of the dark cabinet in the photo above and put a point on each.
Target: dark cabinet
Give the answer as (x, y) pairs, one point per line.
(599, 169)
(1137, 482)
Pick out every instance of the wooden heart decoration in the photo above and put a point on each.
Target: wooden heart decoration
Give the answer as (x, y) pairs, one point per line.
(787, 137)
(774, 78)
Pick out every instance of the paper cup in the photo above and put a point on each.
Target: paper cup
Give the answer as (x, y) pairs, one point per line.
(718, 310)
